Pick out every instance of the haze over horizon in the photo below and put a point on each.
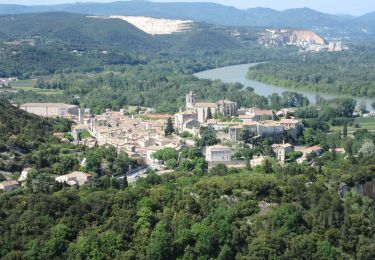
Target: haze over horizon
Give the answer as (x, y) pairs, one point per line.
(334, 7)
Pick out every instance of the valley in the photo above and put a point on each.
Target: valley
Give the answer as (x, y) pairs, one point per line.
(151, 130)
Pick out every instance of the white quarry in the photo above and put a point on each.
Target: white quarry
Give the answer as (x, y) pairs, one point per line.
(155, 26)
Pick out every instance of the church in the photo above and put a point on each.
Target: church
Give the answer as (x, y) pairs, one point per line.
(198, 112)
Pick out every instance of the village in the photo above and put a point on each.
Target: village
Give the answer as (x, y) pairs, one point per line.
(143, 134)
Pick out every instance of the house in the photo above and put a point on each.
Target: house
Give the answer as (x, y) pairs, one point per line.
(181, 118)
(9, 185)
(75, 178)
(317, 150)
(257, 161)
(248, 118)
(219, 154)
(77, 129)
(281, 150)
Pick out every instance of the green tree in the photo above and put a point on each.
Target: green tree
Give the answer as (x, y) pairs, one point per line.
(345, 131)
(160, 246)
(169, 128)
(209, 113)
(165, 154)
(219, 170)
(121, 164)
(208, 138)
(246, 136)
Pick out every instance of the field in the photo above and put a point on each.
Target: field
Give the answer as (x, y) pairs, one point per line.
(367, 123)
(29, 85)
(364, 123)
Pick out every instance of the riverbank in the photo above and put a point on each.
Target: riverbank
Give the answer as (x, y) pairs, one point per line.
(295, 86)
(237, 73)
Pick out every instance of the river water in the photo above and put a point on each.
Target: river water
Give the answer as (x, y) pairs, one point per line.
(237, 73)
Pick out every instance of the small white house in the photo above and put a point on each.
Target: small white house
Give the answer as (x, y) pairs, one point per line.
(74, 178)
(219, 154)
(281, 150)
(9, 185)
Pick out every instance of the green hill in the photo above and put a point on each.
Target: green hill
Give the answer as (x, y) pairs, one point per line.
(22, 133)
(75, 30)
(47, 43)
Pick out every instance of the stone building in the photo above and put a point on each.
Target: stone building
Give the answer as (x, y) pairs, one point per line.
(281, 151)
(51, 109)
(9, 185)
(219, 154)
(225, 107)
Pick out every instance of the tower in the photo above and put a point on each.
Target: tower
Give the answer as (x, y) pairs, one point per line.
(190, 101)
(81, 115)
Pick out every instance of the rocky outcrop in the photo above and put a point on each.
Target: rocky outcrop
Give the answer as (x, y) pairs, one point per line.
(157, 26)
(305, 36)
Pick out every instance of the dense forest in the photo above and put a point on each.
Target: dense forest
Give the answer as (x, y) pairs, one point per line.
(349, 72)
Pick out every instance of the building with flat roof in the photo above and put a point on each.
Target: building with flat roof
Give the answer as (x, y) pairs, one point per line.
(9, 185)
(51, 109)
(219, 154)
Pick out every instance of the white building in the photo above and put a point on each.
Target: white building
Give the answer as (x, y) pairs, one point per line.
(9, 185)
(219, 154)
(74, 178)
(281, 150)
(77, 129)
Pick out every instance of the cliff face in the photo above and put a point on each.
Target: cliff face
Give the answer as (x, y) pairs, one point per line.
(305, 36)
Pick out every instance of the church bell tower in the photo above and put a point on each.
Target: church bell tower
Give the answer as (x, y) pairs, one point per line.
(190, 101)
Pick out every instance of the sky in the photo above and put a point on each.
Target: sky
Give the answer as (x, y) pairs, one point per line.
(353, 7)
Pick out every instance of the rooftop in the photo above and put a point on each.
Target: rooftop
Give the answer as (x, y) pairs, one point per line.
(218, 147)
(9, 183)
(59, 105)
(205, 105)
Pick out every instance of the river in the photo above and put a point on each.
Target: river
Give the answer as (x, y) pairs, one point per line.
(237, 73)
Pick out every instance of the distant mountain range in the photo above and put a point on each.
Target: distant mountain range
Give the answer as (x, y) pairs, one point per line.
(212, 13)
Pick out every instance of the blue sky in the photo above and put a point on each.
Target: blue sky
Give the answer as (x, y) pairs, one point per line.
(354, 7)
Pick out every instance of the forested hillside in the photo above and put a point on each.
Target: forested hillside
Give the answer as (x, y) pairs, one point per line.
(76, 31)
(293, 212)
(22, 133)
(349, 72)
(42, 44)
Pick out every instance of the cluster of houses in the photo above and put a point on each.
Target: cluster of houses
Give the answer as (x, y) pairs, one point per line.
(137, 136)
(73, 179)
(252, 119)
(141, 136)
